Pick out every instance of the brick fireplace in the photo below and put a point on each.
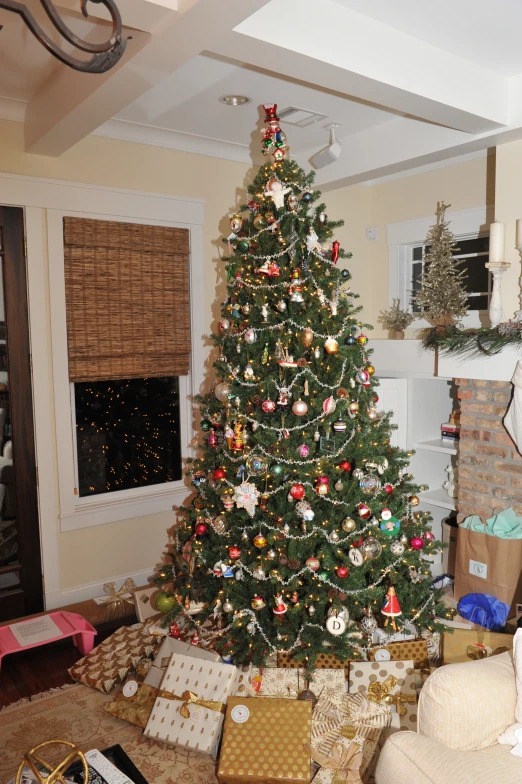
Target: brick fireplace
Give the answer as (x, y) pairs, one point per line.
(490, 467)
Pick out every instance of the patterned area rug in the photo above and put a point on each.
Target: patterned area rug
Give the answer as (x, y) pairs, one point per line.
(75, 713)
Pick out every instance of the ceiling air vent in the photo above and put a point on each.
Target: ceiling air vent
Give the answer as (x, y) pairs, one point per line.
(301, 117)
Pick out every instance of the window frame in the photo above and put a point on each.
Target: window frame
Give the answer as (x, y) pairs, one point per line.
(404, 236)
(76, 512)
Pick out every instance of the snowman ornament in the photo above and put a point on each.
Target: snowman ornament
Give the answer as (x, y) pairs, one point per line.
(277, 192)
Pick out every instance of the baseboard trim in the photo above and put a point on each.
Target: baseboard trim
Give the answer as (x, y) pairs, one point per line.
(80, 593)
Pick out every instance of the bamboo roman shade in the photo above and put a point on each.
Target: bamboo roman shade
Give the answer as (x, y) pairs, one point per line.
(127, 298)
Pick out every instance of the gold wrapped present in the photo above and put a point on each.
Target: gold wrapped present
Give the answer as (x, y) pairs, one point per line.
(266, 741)
(133, 703)
(389, 683)
(283, 683)
(352, 718)
(469, 644)
(110, 662)
(341, 766)
(325, 661)
(407, 650)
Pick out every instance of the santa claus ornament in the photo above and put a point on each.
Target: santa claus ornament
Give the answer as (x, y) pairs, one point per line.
(280, 607)
(392, 608)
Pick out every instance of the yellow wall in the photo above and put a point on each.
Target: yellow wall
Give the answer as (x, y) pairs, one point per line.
(130, 546)
(508, 207)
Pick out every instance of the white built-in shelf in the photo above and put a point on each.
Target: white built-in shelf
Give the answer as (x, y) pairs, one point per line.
(439, 498)
(436, 445)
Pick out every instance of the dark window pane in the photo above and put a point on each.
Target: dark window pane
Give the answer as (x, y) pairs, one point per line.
(477, 280)
(127, 434)
(415, 284)
(478, 303)
(476, 245)
(417, 254)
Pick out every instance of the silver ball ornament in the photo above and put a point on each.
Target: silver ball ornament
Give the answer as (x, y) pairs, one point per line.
(299, 408)
(349, 525)
(281, 306)
(227, 607)
(334, 536)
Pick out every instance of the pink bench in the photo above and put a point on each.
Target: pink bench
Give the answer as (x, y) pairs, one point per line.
(70, 625)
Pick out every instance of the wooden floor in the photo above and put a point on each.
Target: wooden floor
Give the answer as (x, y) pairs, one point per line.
(39, 669)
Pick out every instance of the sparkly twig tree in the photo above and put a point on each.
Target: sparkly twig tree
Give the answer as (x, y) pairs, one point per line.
(304, 514)
(442, 296)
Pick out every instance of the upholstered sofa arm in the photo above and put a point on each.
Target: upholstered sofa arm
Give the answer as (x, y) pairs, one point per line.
(466, 706)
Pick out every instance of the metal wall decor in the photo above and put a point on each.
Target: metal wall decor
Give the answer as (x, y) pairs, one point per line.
(104, 55)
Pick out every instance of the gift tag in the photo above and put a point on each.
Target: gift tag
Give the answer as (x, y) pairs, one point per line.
(240, 714)
(130, 688)
(382, 655)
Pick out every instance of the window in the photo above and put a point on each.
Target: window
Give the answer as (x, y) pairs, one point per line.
(474, 253)
(127, 434)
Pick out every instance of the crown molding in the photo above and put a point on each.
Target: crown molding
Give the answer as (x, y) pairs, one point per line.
(173, 140)
(12, 109)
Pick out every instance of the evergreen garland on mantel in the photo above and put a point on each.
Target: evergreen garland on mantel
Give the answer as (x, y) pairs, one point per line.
(473, 343)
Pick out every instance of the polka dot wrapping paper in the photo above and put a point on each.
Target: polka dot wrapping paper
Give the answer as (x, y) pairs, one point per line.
(416, 650)
(266, 741)
(401, 684)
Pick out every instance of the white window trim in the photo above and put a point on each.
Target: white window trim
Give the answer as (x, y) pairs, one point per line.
(465, 224)
(76, 512)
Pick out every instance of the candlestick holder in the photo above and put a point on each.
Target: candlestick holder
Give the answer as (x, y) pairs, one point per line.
(495, 304)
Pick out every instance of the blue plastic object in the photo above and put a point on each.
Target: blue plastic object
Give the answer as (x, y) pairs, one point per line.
(483, 609)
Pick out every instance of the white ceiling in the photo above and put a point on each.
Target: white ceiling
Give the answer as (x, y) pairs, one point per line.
(486, 32)
(188, 102)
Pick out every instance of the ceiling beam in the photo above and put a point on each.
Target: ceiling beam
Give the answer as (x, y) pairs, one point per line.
(362, 58)
(73, 105)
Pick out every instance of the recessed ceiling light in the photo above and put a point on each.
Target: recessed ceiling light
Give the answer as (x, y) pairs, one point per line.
(234, 100)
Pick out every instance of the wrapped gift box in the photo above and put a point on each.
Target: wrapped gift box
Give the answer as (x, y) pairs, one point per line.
(352, 718)
(133, 702)
(288, 683)
(190, 704)
(393, 681)
(414, 650)
(468, 644)
(325, 661)
(266, 741)
(109, 663)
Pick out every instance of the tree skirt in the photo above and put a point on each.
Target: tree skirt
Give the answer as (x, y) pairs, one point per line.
(74, 713)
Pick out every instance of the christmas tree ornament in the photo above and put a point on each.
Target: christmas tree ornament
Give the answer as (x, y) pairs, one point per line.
(350, 340)
(362, 377)
(257, 602)
(369, 624)
(396, 548)
(414, 500)
(299, 408)
(345, 465)
(205, 425)
(201, 529)
(339, 426)
(251, 627)
(372, 413)
(259, 573)
(296, 288)
(271, 554)
(362, 340)
(304, 511)
(338, 485)
(334, 536)
(389, 525)
(248, 374)
(335, 251)
(224, 325)
(331, 346)
(292, 202)
(260, 222)
(322, 485)
(164, 602)
(336, 625)
(382, 465)
(227, 607)
(259, 541)
(219, 474)
(364, 511)
(416, 543)
(246, 496)
(212, 440)
(388, 489)
(265, 355)
(268, 406)
(243, 245)
(429, 536)
(222, 391)
(353, 407)
(236, 222)
(297, 491)
(403, 539)
(303, 450)
(281, 305)
(307, 337)
(370, 370)
(250, 336)
(238, 442)
(246, 308)
(392, 608)
(286, 528)
(229, 436)
(313, 563)
(244, 536)
(276, 470)
(284, 396)
(329, 405)
(280, 607)
(198, 478)
(257, 465)
(308, 696)
(294, 598)
(349, 525)
(277, 191)
(311, 610)
(342, 572)
(369, 484)
(356, 557)
(371, 548)
(234, 552)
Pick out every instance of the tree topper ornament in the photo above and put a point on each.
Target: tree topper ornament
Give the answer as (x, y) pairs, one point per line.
(246, 496)
(277, 191)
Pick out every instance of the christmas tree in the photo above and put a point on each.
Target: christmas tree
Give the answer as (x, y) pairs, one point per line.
(304, 516)
(442, 296)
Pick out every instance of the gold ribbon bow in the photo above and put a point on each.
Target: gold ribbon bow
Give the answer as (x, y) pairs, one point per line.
(136, 709)
(479, 651)
(116, 596)
(344, 760)
(189, 698)
(381, 692)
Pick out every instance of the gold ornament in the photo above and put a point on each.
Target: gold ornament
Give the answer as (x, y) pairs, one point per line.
(259, 541)
(54, 774)
(308, 337)
(331, 346)
(370, 370)
(414, 500)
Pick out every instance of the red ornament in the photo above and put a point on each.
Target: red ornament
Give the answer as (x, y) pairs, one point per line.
(297, 491)
(342, 572)
(280, 607)
(234, 552)
(364, 511)
(416, 543)
(195, 639)
(345, 465)
(322, 485)
(388, 489)
(175, 631)
(376, 398)
(391, 607)
(212, 440)
(313, 563)
(335, 251)
(429, 536)
(268, 406)
(201, 529)
(219, 473)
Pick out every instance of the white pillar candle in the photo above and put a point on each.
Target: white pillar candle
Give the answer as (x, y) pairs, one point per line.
(519, 232)
(496, 242)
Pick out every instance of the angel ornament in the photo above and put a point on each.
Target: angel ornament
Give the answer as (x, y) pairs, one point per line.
(277, 191)
(312, 243)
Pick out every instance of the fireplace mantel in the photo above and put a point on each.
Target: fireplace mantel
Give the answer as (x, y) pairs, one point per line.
(407, 358)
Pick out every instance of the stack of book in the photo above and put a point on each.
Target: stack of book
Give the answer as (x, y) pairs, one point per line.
(450, 432)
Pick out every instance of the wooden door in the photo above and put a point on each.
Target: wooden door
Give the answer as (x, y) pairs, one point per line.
(21, 590)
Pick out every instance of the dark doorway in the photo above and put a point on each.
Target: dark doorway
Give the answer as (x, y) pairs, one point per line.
(21, 590)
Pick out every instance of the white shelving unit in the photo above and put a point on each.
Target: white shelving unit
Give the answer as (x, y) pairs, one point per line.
(436, 445)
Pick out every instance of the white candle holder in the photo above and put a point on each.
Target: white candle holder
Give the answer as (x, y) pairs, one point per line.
(495, 304)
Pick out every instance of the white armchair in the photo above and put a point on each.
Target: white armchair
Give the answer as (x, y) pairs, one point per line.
(463, 708)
